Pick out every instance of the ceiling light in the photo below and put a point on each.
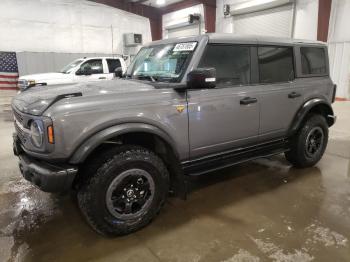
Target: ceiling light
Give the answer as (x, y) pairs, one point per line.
(160, 2)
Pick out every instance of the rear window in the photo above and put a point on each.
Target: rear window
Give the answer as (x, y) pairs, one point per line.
(275, 64)
(313, 61)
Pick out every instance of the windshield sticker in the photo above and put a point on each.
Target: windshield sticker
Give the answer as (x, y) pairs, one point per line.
(181, 47)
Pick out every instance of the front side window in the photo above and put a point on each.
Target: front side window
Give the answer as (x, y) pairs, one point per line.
(313, 61)
(275, 64)
(68, 68)
(232, 63)
(95, 64)
(163, 62)
(113, 64)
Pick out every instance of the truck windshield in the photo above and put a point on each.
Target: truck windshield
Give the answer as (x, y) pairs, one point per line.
(162, 62)
(69, 67)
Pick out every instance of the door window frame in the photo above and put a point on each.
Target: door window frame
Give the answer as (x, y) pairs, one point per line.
(88, 60)
(251, 60)
(299, 65)
(278, 46)
(107, 66)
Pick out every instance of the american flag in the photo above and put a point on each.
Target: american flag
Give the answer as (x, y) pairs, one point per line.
(8, 70)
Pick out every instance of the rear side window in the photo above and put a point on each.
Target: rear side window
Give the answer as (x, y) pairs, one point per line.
(313, 61)
(232, 63)
(275, 64)
(113, 64)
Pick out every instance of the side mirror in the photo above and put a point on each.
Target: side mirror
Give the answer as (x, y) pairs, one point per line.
(86, 70)
(118, 72)
(201, 78)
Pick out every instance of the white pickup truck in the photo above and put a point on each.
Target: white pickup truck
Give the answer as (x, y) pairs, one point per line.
(81, 70)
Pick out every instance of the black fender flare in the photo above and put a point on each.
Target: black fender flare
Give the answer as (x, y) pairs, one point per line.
(309, 106)
(88, 146)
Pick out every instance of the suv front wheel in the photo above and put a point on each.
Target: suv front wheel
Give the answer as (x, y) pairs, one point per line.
(124, 191)
(309, 143)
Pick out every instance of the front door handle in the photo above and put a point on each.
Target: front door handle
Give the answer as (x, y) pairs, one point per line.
(248, 100)
(294, 95)
(102, 77)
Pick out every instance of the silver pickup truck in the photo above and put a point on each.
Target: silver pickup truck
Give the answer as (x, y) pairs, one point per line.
(185, 107)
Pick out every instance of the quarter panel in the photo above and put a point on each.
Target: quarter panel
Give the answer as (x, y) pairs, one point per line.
(76, 121)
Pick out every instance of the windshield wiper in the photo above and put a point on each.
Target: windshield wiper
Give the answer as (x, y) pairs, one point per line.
(147, 77)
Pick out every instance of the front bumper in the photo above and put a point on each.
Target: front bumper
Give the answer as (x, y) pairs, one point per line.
(331, 119)
(46, 176)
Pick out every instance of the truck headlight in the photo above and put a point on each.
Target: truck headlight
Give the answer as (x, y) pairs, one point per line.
(36, 133)
(24, 84)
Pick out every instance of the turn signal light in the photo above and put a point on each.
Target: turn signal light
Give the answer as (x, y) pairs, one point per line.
(50, 135)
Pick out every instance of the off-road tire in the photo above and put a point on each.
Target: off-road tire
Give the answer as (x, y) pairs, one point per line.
(297, 155)
(92, 192)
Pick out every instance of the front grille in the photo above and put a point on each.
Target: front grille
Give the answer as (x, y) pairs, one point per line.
(21, 134)
(18, 117)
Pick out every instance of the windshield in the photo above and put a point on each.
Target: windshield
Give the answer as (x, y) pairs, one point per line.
(67, 69)
(163, 62)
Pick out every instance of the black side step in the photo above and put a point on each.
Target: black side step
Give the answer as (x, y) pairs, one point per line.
(213, 163)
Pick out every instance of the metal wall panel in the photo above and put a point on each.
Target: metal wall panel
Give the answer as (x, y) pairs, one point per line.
(339, 60)
(273, 22)
(44, 62)
(189, 30)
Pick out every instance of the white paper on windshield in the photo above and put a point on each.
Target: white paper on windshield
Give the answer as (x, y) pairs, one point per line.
(181, 47)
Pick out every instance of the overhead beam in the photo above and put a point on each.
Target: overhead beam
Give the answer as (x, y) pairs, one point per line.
(155, 14)
(185, 4)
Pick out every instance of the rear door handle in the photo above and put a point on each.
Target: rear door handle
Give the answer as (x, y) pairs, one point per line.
(294, 95)
(102, 77)
(248, 100)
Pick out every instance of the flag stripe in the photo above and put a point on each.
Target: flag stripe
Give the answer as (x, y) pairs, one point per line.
(7, 88)
(8, 85)
(2, 75)
(8, 82)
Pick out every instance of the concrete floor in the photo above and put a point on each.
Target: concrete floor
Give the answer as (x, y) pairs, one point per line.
(259, 211)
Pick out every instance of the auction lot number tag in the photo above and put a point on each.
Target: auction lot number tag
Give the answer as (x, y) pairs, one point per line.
(180, 47)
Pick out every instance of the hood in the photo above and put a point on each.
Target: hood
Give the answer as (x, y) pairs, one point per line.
(35, 101)
(46, 76)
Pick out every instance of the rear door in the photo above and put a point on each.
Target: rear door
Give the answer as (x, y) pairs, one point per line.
(280, 96)
(227, 116)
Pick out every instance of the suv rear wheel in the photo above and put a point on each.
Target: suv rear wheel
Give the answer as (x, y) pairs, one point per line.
(309, 143)
(125, 190)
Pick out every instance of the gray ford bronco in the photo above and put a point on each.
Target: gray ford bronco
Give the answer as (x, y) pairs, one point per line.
(185, 107)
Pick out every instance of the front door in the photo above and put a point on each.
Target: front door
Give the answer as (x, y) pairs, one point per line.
(225, 117)
(97, 72)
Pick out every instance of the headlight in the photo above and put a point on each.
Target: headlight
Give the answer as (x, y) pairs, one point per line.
(37, 134)
(23, 84)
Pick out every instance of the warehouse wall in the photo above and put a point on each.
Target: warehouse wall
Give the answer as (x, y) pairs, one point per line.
(339, 46)
(68, 26)
(54, 31)
(306, 15)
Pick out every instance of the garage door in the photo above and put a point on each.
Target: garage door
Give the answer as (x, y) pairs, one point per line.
(273, 22)
(189, 30)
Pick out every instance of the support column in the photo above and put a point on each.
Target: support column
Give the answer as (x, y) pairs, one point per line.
(324, 12)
